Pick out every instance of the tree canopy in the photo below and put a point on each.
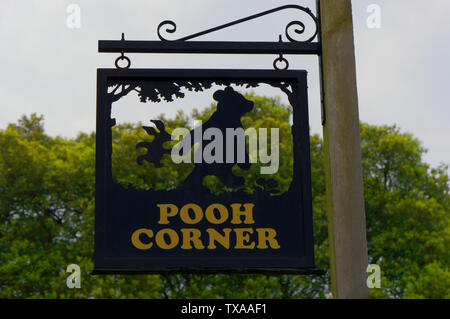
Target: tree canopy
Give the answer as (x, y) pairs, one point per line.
(47, 215)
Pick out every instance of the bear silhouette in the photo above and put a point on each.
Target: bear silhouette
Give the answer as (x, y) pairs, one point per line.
(231, 106)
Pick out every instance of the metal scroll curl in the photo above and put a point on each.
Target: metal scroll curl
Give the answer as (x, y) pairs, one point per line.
(297, 27)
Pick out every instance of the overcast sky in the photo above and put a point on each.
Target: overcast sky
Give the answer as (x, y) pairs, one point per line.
(49, 68)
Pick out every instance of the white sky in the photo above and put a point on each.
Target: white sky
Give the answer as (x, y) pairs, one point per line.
(50, 69)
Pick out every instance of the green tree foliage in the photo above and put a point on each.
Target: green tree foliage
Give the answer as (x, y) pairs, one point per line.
(407, 211)
(47, 214)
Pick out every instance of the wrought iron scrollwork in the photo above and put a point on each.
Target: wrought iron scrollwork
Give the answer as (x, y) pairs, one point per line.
(296, 26)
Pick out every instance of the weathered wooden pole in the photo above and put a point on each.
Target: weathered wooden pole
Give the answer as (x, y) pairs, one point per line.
(345, 196)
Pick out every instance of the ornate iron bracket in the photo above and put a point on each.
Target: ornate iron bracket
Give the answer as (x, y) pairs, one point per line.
(171, 27)
(181, 45)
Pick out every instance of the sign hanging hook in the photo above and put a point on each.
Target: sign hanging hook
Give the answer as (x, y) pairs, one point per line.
(280, 58)
(123, 57)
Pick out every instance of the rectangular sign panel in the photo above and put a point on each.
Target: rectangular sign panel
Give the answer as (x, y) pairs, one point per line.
(228, 189)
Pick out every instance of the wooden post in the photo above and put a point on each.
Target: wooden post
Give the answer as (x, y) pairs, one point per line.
(345, 196)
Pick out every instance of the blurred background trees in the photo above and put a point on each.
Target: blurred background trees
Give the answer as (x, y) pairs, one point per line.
(47, 215)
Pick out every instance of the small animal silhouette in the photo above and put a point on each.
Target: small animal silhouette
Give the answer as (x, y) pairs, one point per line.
(155, 150)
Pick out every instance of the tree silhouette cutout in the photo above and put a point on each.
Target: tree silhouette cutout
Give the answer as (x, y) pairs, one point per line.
(168, 90)
(156, 91)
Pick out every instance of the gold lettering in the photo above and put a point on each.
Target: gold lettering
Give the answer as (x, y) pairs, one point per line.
(223, 212)
(214, 235)
(136, 241)
(161, 241)
(247, 212)
(186, 218)
(267, 235)
(242, 239)
(191, 235)
(166, 210)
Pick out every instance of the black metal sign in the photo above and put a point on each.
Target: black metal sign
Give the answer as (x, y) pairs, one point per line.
(188, 227)
(250, 222)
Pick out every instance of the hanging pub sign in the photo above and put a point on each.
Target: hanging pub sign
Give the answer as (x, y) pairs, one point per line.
(228, 190)
(214, 197)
